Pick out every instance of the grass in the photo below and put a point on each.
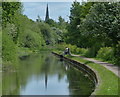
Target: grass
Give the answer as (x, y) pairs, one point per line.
(108, 81)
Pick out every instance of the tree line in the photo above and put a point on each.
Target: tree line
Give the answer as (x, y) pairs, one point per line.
(95, 25)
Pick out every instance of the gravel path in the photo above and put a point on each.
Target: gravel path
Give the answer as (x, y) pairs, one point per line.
(115, 69)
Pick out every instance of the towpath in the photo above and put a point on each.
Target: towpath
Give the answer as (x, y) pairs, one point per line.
(115, 69)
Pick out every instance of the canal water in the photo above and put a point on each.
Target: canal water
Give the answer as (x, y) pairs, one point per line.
(44, 74)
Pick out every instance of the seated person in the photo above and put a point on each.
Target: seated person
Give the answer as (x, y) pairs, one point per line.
(67, 51)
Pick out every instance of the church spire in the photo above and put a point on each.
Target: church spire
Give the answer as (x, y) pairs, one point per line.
(47, 14)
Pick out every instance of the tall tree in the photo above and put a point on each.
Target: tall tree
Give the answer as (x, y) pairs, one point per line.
(9, 9)
(77, 14)
(103, 22)
(73, 31)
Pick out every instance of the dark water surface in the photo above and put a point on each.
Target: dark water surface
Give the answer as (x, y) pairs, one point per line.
(44, 74)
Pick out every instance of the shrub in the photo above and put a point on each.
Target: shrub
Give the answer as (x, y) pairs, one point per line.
(11, 30)
(9, 50)
(117, 55)
(83, 51)
(31, 40)
(106, 53)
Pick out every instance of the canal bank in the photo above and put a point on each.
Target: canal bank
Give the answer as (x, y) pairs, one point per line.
(92, 74)
(108, 81)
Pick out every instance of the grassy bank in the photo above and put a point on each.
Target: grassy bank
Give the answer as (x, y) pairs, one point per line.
(108, 81)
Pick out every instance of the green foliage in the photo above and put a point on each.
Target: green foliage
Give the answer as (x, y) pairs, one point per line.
(117, 54)
(51, 35)
(29, 35)
(86, 6)
(73, 48)
(106, 54)
(24, 32)
(94, 25)
(9, 50)
(61, 23)
(0, 16)
(9, 9)
(77, 15)
(30, 40)
(103, 22)
(57, 34)
(51, 22)
(11, 30)
(81, 51)
(73, 32)
(46, 31)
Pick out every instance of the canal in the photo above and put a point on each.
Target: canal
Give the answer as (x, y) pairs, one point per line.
(44, 74)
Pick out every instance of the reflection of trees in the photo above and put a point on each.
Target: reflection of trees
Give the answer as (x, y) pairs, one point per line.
(78, 83)
(10, 84)
(30, 66)
(45, 65)
(35, 65)
(52, 66)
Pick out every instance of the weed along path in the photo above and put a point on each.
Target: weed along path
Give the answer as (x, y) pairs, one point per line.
(115, 69)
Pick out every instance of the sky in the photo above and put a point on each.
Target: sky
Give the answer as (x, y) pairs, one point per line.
(56, 9)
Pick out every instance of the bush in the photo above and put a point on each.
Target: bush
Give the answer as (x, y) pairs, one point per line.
(11, 30)
(31, 40)
(117, 55)
(9, 50)
(82, 51)
(106, 54)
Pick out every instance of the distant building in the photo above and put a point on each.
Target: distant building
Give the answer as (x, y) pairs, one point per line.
(47, 14)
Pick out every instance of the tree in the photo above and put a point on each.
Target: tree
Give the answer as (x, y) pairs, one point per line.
(102, 25)
(78, 13)
(39, 19)
(9, 9)
(51, 22)
(103, 22)
(73, 31)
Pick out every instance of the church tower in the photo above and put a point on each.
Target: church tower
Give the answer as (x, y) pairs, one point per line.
(47, 14)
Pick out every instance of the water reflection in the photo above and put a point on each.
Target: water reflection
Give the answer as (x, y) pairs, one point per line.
(44, 74)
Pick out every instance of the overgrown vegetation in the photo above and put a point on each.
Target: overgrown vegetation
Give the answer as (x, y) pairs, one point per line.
(21, 33)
